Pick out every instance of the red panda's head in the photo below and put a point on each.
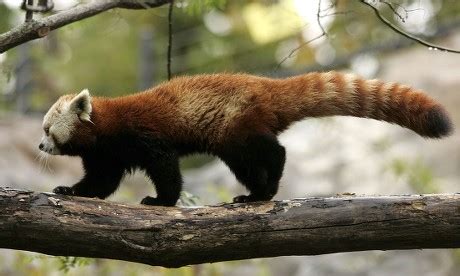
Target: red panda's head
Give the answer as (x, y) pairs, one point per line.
(63, 122)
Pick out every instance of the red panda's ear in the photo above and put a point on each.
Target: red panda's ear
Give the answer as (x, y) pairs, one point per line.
(81, 105)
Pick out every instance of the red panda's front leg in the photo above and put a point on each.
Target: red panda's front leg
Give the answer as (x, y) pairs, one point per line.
(101, 179)
(164, 172)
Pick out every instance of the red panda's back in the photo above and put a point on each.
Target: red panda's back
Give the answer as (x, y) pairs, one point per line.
(220, 106)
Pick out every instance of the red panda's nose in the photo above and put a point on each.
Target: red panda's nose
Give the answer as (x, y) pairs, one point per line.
(41, 146)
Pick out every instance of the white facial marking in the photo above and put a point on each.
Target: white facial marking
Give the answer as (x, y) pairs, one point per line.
(59, 122)
(48, 146)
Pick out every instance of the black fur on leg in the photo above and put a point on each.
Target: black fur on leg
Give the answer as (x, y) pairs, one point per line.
(111, 157)
(274, 163)
(164, 171)
(258, 164)
(102, 177)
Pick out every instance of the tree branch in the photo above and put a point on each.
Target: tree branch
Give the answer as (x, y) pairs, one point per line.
(41, 27)
(173, 237)
(322, 34)
(383, 47)
(406, 34)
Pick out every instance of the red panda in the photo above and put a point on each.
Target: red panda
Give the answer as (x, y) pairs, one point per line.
(235, 117)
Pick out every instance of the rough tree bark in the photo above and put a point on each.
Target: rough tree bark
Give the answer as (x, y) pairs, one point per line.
(173, 237)
(41, 27)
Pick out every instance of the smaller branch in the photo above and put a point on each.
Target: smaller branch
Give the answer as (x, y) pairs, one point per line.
(406, 34)
(336, 13)
(394, 9)
(323, 33)
(318, 18)
(41, 27)
(293, 51)
(331, 5)
(383, 47)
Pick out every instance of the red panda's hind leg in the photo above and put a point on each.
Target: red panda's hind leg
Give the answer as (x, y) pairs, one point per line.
(258, 164)
(164, 172)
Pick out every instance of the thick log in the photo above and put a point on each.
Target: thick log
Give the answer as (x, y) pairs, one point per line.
(174, 237)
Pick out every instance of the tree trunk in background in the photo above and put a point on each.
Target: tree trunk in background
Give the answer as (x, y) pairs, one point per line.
(24, 80)
(146, 61)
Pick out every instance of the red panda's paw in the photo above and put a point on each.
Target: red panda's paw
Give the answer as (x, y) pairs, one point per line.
(153, 201)
(243, 199)
(251, 198)
(148, 200)
(63, 190)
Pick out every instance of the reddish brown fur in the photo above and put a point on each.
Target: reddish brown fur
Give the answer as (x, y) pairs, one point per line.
(217, 108)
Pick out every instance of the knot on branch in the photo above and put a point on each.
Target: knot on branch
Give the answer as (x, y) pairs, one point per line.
(43, 31)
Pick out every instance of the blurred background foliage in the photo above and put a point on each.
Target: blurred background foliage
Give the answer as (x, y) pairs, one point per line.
(124, 51)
